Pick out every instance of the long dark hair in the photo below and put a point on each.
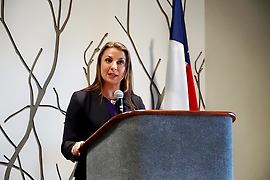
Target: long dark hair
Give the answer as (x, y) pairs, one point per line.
(126, 83)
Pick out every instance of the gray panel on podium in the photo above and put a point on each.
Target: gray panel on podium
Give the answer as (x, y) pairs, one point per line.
(151, 147)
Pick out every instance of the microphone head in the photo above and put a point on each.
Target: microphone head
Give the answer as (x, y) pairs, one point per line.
(118, 94)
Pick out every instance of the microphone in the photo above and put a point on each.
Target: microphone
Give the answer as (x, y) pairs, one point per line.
(119, 95)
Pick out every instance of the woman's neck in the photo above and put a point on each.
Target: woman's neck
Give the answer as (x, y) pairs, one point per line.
(108, 91)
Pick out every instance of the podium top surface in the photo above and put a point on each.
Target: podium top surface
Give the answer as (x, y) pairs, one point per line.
(173, 112)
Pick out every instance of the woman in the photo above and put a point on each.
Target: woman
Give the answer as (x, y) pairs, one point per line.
(91, 107)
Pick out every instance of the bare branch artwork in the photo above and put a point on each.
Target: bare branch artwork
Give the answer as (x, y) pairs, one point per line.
(164, 13)
(58, 171)
(18, 168)
(34, 103)
(198, 80)
(18, 158)
(91, 59)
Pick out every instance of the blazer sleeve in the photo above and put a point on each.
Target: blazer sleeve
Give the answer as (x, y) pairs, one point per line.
(71, 127)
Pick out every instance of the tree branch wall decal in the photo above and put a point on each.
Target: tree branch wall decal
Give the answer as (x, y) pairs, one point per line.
(91, 59)
(34, 103)
(198, 80)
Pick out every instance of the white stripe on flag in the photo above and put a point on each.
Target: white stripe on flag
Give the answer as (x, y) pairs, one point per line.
(176, 90)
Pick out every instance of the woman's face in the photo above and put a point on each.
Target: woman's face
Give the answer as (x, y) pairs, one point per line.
(113, 66)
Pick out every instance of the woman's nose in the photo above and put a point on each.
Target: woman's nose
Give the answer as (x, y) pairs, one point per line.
(114, 65)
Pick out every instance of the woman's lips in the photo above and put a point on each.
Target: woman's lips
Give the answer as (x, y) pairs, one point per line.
(112, 75)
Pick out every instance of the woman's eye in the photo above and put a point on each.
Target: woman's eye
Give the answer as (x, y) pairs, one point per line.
(121, 62)
(108, 60)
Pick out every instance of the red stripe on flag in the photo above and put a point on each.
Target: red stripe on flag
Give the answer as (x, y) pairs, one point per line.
(193, 105)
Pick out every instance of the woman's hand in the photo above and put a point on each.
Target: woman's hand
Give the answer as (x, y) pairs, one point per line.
(75, 149)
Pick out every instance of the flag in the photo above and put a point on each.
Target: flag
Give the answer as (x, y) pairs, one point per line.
(180, 91)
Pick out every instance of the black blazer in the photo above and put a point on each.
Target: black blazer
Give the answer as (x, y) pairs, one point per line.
(86, 113)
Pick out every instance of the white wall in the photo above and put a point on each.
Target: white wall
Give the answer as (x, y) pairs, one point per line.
(237, 78)
(31, 26)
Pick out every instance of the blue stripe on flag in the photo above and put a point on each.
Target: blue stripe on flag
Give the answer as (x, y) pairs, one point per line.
(178, 28)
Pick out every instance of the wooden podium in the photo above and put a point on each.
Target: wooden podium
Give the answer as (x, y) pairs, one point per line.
(159, 145)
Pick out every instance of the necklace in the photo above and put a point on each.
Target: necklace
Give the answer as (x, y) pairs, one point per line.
(112, 101)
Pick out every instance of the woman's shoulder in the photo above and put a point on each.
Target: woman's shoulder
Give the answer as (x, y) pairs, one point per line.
(81, 95)
(138, 102)
(135, 97)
